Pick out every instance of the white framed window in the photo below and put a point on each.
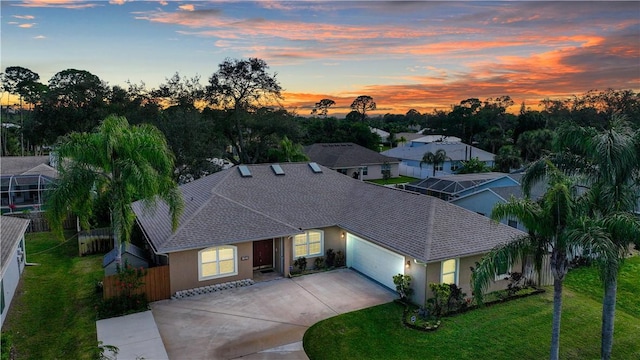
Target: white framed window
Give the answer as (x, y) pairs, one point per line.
(365, 170)
(216, 262)
(449, 272)
(311, 243)
(503, 270)
(439, 167)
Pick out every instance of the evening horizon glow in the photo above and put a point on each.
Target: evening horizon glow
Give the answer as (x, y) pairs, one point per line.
(406, 55)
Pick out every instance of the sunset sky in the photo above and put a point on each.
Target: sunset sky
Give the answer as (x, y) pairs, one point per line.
(421, 55)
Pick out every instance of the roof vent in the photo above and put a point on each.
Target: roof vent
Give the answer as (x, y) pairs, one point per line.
(277, 169)
(315, 168)
(244, 171)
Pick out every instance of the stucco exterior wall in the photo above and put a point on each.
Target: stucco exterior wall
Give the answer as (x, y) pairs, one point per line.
(183, 268)
(464, 275)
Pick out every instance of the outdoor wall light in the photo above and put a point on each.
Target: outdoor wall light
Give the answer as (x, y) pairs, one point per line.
(408, 264)
(342, 235)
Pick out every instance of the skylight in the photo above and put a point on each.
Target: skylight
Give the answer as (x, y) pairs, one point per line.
(244, 171)
(315, 168)
(277, 169)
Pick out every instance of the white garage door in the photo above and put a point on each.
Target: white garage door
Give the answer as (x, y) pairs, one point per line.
(374, 261)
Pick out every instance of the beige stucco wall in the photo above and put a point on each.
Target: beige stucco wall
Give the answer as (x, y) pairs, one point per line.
(464, 276)
(183, 268)
(332, 240)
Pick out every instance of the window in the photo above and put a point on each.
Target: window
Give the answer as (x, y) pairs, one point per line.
(503, 270)
(217, 262)
(365, 171)
(513, 223)
(449, 273)
(438, 167)
(455, 166)
(385, 167)
(308, 244)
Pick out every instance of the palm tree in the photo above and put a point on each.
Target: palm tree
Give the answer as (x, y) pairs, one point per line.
(609, 162)
(552, 230)
(436, 159)
(120, 163)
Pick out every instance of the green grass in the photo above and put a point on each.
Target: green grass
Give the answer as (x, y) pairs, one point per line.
(519, 329)
(53, 313)
(395, 180)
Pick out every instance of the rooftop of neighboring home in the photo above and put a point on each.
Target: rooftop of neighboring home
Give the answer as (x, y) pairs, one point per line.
(344, 155)
(26, 165)
(255, 202)
(13, 229)
(456, 151)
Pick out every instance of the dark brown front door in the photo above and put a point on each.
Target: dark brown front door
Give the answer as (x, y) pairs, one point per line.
(263, 253)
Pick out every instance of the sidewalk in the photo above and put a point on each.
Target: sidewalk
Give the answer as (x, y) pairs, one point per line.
(135, 335)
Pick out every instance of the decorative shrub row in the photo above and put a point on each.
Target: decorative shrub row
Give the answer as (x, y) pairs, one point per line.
(211, 289)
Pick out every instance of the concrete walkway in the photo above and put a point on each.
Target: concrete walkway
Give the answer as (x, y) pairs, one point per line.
(135, 335)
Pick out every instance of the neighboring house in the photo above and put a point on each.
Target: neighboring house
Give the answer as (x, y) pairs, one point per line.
(13, 258)
(129, 254)
(450, 187)
(352, 160)
(252, 217)
(24, 182)
(411, 155)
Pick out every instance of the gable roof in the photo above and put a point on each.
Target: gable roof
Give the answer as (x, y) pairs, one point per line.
(455, 151)
(12, 229)
(226, 208)
(16, 165)
(342, 155)
(125, 248)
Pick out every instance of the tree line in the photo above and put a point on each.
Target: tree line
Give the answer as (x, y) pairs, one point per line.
(237, 115)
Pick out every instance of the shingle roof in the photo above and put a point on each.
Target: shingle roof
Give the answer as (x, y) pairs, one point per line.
(226, 208)
(125, 248)
(455, 151)
(15, 165)
(341, 155)
(11, 230)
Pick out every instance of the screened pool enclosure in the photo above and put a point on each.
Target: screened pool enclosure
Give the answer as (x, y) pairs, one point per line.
(20, 193)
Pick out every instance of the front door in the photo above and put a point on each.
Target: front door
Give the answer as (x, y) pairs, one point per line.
(263, 253)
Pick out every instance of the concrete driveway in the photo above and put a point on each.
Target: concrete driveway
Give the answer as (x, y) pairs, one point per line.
(262, 321)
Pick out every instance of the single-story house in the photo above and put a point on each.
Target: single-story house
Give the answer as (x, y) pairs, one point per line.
(457, 152)
(24, 181)
(352, 160)
(252, 217)
(129, 254)
(12, 258)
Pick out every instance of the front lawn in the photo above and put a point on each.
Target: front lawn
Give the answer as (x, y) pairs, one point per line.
(395, 180)
(519, 329)
(53, 314)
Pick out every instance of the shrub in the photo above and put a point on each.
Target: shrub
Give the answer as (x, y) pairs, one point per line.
(340, 260)
(403, 286)
(301, 263)
(6, 345)
(318, 263)
(330, 259)
(130, 299)
(448, 298)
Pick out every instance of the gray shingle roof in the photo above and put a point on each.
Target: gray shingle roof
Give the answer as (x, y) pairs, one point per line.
(15, 165)
(226, 208)
(11, 231)
(341, 155)
(455, 151)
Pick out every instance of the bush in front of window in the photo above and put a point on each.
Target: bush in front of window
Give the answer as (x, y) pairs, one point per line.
(448, 298)
(300, 263)
(340, 260)
(319, 263)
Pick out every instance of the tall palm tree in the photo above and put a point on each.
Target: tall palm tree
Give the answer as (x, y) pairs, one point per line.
(118, 162)
(609, 163)
(550, 222)
(436, 159)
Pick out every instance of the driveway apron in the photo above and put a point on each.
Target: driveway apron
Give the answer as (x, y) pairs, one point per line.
(264, 321)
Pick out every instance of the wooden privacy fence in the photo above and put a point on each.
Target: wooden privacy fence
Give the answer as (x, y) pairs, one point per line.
(39, 222)
(95, 241)
(156, 284)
